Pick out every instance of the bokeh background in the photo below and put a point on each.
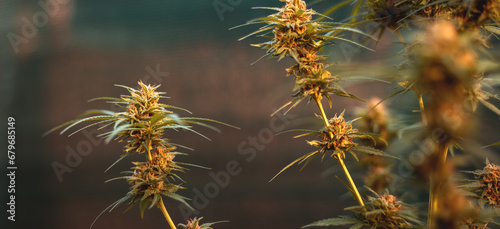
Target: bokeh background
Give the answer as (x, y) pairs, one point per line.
(52, 65)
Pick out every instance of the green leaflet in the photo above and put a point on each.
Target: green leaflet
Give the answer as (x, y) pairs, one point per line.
(298, 160)
(370, 150)
(343, 220)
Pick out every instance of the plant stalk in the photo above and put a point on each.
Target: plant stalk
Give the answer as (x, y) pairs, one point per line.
(320, 106)
(435, 185)
(351, 182)
(149, 151)
(422, 109)
(432, 204)
(355, 193)
(161, 206)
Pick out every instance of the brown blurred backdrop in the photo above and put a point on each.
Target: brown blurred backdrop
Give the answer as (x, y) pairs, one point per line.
(51, 65)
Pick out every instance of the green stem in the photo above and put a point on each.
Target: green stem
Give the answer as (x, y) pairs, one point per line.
(161, 206)
(435, 185)
(355, 191)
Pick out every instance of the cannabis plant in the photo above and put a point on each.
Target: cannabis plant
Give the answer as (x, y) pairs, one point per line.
(195, 224)
(485, 185)
(381, 211)
(446, 68)
(140, 122)
(294, 33)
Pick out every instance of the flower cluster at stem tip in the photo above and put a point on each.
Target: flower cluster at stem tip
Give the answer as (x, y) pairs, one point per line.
(337, 136)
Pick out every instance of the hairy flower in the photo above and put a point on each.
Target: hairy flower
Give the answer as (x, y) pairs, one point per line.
(471, 14)
(477, 218)
(151, 180)
(478, 92)
(335, 139)
(381, 211)
(293, 33)
(388, 13)
(141, 122)
(195, 224)
(142, 106)
(338, 136)
(486, 185)
(384, 212)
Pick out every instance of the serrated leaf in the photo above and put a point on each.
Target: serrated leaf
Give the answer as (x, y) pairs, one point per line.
(356, 9)
(354, 155)
(116, 131)
(374, 212)
(118, 160)
(156, 118)
(494, 144)
(307, 161)
(193, 165)
(335, 7)
(373, 151)
(305, 134)
(333, 222)
(131, 90)
(357, 226)
(256, 32)
(271, 19)
(302, 158)
(174, 107)
(112, 206)
(350, 41)
(276, 111)
(266, 8)
(106, 98)
(98, 112)
(177, 197)
(209, 120)
(142, 207)
(156, 199)
(493, 29)
(298, 130)
(94, 118)
(490, 106)
(87, 126)
(360, 78)
(336, 30)
(118, 178)
(294, 55)
(349, 188)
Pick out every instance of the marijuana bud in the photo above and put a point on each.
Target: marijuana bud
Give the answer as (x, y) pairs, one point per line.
(337, 136)
(486, 184)
(195, 224)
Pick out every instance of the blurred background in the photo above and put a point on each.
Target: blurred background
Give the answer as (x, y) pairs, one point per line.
(55, 55)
